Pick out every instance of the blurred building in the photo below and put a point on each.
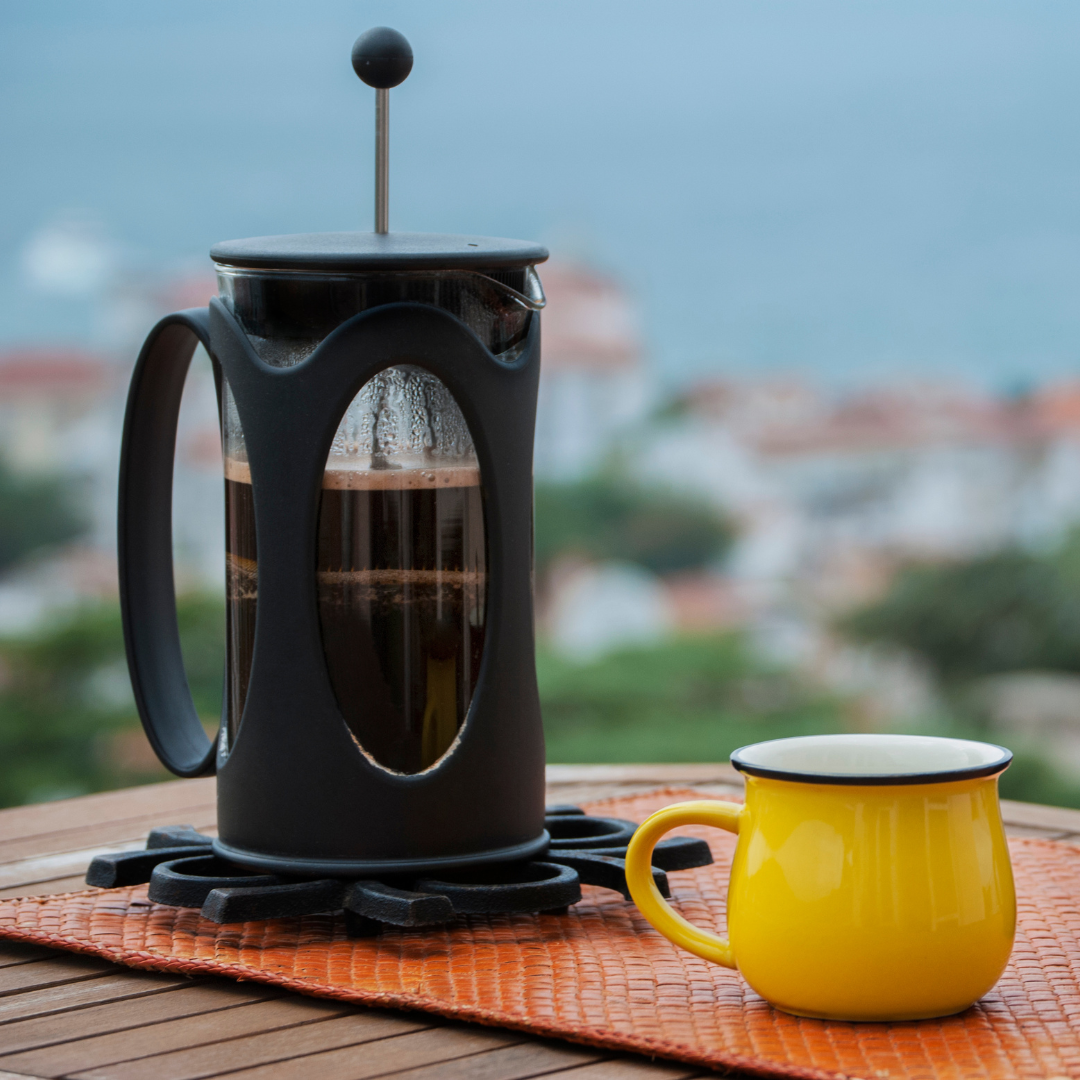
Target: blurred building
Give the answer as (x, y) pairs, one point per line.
(47, 398)
(593, 383)
(61, 415)
(833, 492)
(597, 608)
(60, 411)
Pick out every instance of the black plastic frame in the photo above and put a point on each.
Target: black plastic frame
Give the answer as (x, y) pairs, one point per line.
(144, 544)
(295, 793)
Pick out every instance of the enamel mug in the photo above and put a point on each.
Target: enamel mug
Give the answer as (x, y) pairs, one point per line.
(871, 878)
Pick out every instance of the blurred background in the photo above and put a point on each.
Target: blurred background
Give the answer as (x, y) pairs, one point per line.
(808, 451)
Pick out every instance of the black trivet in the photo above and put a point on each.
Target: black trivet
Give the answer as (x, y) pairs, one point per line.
(183, 871)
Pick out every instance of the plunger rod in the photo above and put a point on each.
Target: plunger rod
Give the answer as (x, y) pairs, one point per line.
(382, 58)
(382, 160)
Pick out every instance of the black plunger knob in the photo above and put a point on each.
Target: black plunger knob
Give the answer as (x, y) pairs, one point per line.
(382, 57)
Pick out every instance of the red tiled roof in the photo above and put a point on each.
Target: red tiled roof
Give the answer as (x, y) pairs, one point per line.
(589, 323)
(1056, 409)
(43, 371)
(789, 418)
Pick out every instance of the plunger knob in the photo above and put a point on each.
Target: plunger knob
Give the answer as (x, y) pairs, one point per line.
(382, 57)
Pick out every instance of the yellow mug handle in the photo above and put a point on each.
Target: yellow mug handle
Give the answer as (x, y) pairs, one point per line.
(720, 815)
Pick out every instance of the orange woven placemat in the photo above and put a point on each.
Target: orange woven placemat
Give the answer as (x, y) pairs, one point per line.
(601, 975)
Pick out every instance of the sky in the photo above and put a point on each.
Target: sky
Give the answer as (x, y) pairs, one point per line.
(858, 190)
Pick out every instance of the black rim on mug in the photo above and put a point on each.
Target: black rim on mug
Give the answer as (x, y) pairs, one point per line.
(871, 759)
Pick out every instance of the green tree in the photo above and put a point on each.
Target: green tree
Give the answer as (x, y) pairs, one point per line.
(692, 698)
(65, 696)
(1012, 610)
(1007, 611)
(698, 698)
(616, 519)
(34, 512)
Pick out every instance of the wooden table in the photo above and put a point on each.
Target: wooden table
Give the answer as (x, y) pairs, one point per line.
(69, 1016)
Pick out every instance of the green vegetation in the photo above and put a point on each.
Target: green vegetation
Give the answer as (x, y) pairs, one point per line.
(34, 513)
(68, 723)
(608, 518)
(1012, 610)
(1032, 776)
(1009, 611)
(688, 699)
(698, 698)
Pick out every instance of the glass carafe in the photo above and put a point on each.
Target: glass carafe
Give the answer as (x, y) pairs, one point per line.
(402, 557)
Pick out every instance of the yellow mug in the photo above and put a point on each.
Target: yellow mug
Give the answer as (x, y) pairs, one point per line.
(871, 878)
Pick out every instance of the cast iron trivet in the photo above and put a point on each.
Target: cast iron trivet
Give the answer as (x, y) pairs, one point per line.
(183, 871)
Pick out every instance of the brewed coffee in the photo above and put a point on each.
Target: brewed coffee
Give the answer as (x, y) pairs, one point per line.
(401, 574)
(241, 590)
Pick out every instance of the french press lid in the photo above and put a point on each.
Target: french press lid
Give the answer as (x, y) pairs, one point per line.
(382, 58)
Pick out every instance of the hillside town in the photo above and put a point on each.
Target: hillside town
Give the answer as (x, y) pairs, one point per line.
(828, 492)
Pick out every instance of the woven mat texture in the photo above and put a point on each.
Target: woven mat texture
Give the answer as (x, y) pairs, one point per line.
(601, 975)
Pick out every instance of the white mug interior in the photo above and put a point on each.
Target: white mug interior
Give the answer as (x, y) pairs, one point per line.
(870, 759)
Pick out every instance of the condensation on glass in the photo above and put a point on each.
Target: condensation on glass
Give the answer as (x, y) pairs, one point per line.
(402, 568)
(402, 564)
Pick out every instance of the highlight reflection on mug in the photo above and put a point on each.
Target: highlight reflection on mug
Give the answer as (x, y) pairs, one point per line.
(811, 858)
(871, 879)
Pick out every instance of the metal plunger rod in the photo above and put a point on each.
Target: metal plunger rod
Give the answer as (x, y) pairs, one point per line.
(382, 58)
(382, 160)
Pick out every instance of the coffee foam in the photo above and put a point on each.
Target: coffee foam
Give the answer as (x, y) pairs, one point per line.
(345, 478)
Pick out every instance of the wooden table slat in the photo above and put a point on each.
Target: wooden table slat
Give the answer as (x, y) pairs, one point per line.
(1044, 817)
(374, 1028)
(75, 883)
(117, 831)
(176, 1034)
(59, 969)
(54, 867)
(161, 800)
(1039, 834)
(679, 774)
(64, 997)
(15, 952)
(519, 1062)
(384, 1057)
(195, 1000)
(633, 1069)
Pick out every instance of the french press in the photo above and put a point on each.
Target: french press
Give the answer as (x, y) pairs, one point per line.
(377, 397)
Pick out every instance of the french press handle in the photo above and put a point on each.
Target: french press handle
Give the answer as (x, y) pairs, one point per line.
(144, 545)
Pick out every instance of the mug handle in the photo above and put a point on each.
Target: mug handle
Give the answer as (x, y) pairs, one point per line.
(643, 890)
(144, 545)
